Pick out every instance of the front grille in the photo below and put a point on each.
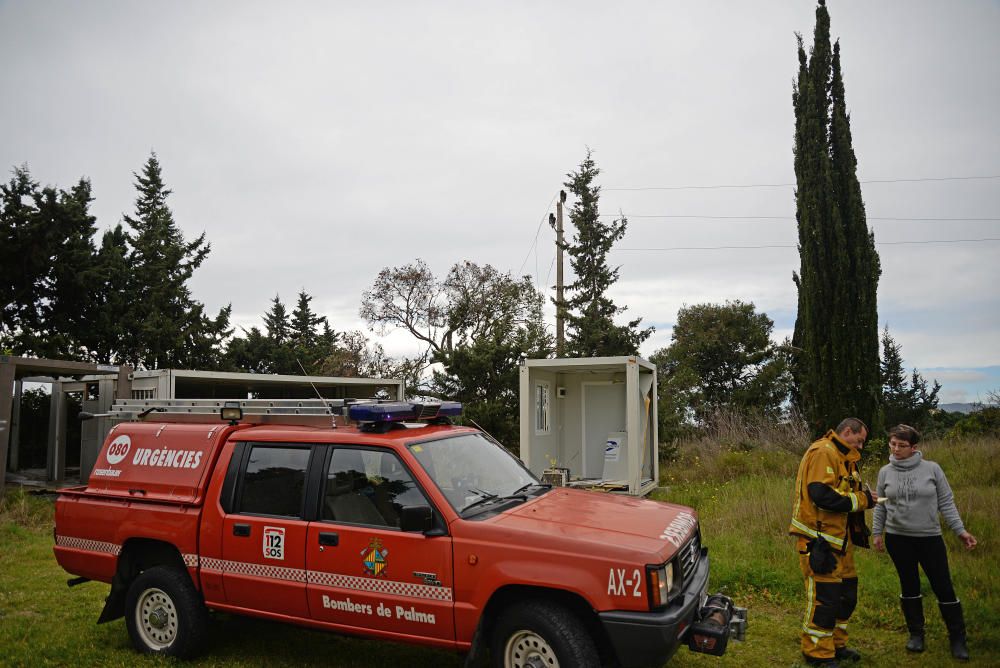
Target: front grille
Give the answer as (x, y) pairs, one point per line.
(687, 558)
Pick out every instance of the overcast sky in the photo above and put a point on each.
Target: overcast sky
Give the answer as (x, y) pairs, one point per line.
(316, 143)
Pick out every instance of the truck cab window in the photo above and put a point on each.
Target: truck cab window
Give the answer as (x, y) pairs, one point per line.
(368, 487)
(274, 481)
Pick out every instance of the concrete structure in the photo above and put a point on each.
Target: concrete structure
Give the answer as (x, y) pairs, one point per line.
(14, 372)
(100, 385)
(595, 416)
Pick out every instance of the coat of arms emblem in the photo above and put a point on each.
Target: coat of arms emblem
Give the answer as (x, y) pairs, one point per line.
(374, 557)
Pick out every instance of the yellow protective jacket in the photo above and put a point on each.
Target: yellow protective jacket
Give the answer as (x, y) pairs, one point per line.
(829, 499)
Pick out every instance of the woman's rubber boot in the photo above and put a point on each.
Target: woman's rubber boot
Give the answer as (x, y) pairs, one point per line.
(913, 613)
(955, 622)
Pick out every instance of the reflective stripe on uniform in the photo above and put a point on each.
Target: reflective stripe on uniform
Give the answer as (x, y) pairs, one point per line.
(816, 632)
(839, 542)
(810, 595)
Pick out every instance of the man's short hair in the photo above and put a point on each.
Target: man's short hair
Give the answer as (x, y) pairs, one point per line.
(905, 432)
(852, 423)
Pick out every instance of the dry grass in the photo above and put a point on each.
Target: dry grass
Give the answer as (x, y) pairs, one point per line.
(21, 509)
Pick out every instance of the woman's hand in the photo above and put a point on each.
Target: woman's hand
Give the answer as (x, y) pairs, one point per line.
(879, 543)
(969, 540)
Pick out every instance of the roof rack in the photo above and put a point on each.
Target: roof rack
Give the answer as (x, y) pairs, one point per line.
(312, 412)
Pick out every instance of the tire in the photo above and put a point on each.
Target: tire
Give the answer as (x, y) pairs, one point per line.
(164, 613)
(541, 634)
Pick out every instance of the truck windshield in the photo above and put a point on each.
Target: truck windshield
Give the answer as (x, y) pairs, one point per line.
(471, 470)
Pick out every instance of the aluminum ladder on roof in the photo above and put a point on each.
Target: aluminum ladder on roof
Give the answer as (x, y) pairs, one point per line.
(313, 412)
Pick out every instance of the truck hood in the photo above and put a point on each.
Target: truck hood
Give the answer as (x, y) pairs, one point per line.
(608, 520)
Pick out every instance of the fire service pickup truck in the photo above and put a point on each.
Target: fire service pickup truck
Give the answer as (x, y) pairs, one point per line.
(380, 520)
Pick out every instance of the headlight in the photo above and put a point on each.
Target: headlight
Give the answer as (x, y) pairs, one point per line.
(661, 582)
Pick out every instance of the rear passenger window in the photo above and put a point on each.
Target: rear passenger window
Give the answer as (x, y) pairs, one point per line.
(368, 487)
(274, 481)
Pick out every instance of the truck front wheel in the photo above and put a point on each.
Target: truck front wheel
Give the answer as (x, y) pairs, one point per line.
(165, 614)
(538, 634)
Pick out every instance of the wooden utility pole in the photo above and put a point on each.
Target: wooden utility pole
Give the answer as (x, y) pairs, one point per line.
(560, 316)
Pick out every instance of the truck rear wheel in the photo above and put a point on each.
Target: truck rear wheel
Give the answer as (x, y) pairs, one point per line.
(165, 614)
(538, 634)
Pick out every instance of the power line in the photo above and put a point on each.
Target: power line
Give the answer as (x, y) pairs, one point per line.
(877, 243)
(701, 217)
(537, 232)
(787, 185)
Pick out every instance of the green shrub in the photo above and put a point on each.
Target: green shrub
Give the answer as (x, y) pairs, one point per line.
(984, 422)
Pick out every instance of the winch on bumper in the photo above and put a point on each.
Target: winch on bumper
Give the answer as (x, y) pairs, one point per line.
(704, 623)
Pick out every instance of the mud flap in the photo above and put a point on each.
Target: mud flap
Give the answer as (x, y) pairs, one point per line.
(716, 622)
(114, 604)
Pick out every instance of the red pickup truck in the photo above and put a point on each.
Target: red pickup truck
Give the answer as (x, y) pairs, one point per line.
(401, 526)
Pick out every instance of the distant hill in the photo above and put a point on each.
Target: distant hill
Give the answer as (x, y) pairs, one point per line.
(958, 408)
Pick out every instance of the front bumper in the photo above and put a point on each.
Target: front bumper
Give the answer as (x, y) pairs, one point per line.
(650, 638)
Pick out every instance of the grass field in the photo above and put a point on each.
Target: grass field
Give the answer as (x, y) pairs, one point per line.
(742, 493)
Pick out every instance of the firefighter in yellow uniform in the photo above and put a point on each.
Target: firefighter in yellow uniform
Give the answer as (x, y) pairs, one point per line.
(828, 520)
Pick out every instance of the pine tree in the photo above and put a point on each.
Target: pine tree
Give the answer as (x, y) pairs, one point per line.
(311, 337)
(590, 313)
(836, 328)
(164, 325)
(276, 321)
(114, 299)
(904, 400)
(75, 276)
(305, 321)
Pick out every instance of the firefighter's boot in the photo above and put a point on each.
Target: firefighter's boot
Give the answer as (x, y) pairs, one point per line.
(913, 612)
(847, 654)
(955, 622)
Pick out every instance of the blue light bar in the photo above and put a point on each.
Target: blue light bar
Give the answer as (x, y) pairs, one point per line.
(389, 412)
(450, 408)
(399, 411)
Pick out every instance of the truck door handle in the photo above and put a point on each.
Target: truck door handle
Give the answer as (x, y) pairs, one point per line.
(329, 538)
(241, 529)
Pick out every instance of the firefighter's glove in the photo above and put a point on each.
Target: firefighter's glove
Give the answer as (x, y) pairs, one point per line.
(822, 561)
(869, 499)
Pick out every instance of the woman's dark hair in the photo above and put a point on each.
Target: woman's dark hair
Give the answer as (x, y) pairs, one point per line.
(905, 432)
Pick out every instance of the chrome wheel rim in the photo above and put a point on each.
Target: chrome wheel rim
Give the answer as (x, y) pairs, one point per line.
(527, 649)
(156, 619)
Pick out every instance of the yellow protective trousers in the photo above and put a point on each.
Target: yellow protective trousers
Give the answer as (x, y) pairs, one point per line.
(830, 601)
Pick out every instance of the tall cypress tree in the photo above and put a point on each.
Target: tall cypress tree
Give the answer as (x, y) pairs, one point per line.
(590, 313)
(836, 364)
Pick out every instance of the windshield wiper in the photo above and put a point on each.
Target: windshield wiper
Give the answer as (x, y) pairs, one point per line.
(484, 497)
(519, 493)
(523, 488)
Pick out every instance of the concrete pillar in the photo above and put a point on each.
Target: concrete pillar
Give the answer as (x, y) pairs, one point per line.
(6, 398)
(123, 386)
(56, 460)
(91, 445)
(15, 426)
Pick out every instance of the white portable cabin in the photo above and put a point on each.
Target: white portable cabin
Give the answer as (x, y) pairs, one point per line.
(595, 416)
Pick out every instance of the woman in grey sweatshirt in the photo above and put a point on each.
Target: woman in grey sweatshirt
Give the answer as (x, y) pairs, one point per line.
(916, 491)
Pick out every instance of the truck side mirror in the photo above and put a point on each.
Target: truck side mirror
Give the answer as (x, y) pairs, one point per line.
(416, 518)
